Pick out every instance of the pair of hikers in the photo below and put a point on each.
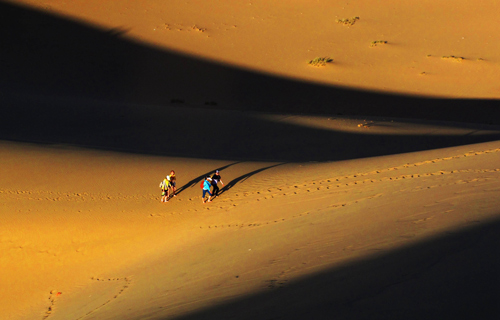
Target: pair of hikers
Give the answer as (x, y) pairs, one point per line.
(168, 184)
(211, 182)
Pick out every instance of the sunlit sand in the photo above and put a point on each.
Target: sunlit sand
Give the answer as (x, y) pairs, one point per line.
(357, 143)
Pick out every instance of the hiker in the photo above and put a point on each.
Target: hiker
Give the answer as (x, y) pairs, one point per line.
(165, 189)
(172, 180)
(206, 189)
(215, 179)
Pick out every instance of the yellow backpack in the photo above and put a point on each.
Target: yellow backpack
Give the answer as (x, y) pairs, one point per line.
(164, 184)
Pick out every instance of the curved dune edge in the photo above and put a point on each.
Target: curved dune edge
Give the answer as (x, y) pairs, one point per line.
(397, 219)
(91, 248)
(429, 50)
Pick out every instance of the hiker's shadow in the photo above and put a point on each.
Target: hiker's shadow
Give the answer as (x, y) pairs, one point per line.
(196, 180)
(242, 178)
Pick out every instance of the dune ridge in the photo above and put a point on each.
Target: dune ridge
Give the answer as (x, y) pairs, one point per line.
(286, 204)
(366, 187)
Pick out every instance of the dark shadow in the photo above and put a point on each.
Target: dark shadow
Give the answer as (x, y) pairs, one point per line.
(66, 82)
(452, 276)
(63, 81)
(242, 178)
(198, 179)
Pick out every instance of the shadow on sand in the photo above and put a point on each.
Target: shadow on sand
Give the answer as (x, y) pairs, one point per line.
(198, 179)
(242, 178)
(65, 82)
(453, 276)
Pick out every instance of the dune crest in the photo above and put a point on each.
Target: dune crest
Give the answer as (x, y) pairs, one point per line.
(281, 38)
(358, 144)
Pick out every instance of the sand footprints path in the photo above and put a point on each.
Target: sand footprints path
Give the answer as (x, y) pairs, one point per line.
(45, 195)
(123, 284)
(336, 187)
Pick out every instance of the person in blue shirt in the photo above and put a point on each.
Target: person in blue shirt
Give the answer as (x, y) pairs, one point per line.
(206, 189)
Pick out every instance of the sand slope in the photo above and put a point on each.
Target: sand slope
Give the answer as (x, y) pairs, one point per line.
(280, 38)
(126, 52)
(277, 226)
(364, 188)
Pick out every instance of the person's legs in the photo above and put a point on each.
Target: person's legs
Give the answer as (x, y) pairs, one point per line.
(209, 196)
(173, 189)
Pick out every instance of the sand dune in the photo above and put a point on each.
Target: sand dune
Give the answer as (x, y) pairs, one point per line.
(281, 38)
(362, 186)
(104, 247)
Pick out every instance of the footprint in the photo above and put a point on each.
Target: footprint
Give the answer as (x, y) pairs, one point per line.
(126, 285)
(52, 298)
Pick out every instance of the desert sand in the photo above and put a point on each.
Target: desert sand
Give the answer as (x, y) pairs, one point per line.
(358, 143)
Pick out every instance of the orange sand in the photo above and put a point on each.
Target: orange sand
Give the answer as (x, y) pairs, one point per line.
(368, 189)
(280, 39)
